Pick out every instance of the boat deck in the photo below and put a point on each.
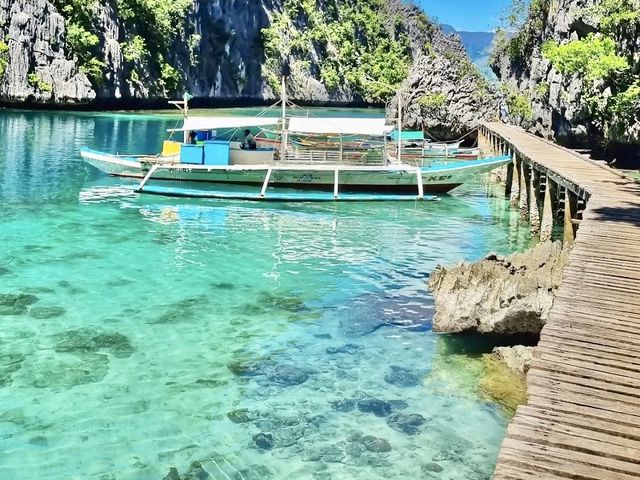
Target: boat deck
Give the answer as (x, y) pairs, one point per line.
(582, 419)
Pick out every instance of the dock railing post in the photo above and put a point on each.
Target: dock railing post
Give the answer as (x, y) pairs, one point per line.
(546, 227)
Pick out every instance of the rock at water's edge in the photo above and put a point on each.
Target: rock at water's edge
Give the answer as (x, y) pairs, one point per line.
(503, 295)
(517, 358)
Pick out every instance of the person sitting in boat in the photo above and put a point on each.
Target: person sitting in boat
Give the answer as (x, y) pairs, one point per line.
(193, 138)
(249, 141)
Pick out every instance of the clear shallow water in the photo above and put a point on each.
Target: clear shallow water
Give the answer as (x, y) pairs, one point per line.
(131, 327)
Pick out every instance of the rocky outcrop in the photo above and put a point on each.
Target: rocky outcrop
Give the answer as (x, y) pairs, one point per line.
(444, 92)
(37, 64)
(502, 295)
(517, 358)
(217, 49)
(446, 96)
(562, 105)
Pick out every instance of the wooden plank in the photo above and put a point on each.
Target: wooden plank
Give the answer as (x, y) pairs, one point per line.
(549, 435)
(580, 419)
(581, 309)
(596, 349)
(597, 334)
(583, 397)
(596, 357)
(560, 406)
(587, 337)
(584, 383)
(505, 471)
(558, 362)
(564, 462)
(614, 327)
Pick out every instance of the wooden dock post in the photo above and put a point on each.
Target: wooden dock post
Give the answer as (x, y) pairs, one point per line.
(546, 226)
(515, 181)
(523, 204)
(569, 234)
(534, 212)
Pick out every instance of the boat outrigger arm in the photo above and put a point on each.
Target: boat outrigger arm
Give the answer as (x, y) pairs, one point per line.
(280, 196)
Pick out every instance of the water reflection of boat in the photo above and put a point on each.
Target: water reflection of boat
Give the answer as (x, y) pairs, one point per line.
(368, 161)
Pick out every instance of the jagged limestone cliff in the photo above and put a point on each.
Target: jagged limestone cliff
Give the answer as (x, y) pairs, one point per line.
(572, 71)
(339, 50)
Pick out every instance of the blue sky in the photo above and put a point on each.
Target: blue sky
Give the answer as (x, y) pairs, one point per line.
(472, 15)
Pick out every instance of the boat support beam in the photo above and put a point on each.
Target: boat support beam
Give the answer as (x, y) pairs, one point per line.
(265, 184)
(146, 178)
(420, 185)
(336, 177)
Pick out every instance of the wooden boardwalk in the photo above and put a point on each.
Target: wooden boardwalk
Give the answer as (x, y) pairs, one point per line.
(582, 420)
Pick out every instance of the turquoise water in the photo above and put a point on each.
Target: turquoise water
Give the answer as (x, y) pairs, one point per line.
(142, 334)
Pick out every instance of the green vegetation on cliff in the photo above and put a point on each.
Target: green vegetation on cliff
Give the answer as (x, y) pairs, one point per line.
(611, 90)
(4, 48)
(150, 24)
(353, 37)
(592, 62)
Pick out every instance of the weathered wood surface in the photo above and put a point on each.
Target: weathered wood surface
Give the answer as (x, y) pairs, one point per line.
(582, 420)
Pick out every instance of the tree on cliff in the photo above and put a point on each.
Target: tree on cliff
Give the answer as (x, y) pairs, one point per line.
(578, 65)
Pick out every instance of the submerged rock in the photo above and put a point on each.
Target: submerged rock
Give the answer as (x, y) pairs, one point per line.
(431, 467)
(281, 374)
(85, 340)
(379, 408)
(241, 415)
(16, 303)
(10, 363)
(349, 348)
(47, 312)
(501, 384)
(375, 444)
(409, 424)
(345, 405)
(503, 295)
(263, 441)
(183, 310)
(402, 377)
(64, 370)
(371, 312)
(287, 375)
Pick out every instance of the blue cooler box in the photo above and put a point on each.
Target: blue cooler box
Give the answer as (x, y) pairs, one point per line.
(191, 154)
(216, 152)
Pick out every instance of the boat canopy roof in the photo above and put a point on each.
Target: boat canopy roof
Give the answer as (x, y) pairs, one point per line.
(375, 127)
(213, 123)
(407, 136)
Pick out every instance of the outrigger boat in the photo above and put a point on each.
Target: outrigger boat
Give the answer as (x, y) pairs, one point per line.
(218, 158)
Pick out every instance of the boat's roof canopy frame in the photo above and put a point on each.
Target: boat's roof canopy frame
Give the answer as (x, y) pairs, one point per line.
(373, 127)
(214, 123)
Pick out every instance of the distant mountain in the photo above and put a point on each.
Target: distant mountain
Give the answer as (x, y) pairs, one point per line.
(478, 47)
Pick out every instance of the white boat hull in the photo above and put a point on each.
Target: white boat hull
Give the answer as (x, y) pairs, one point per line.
(397, 178)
